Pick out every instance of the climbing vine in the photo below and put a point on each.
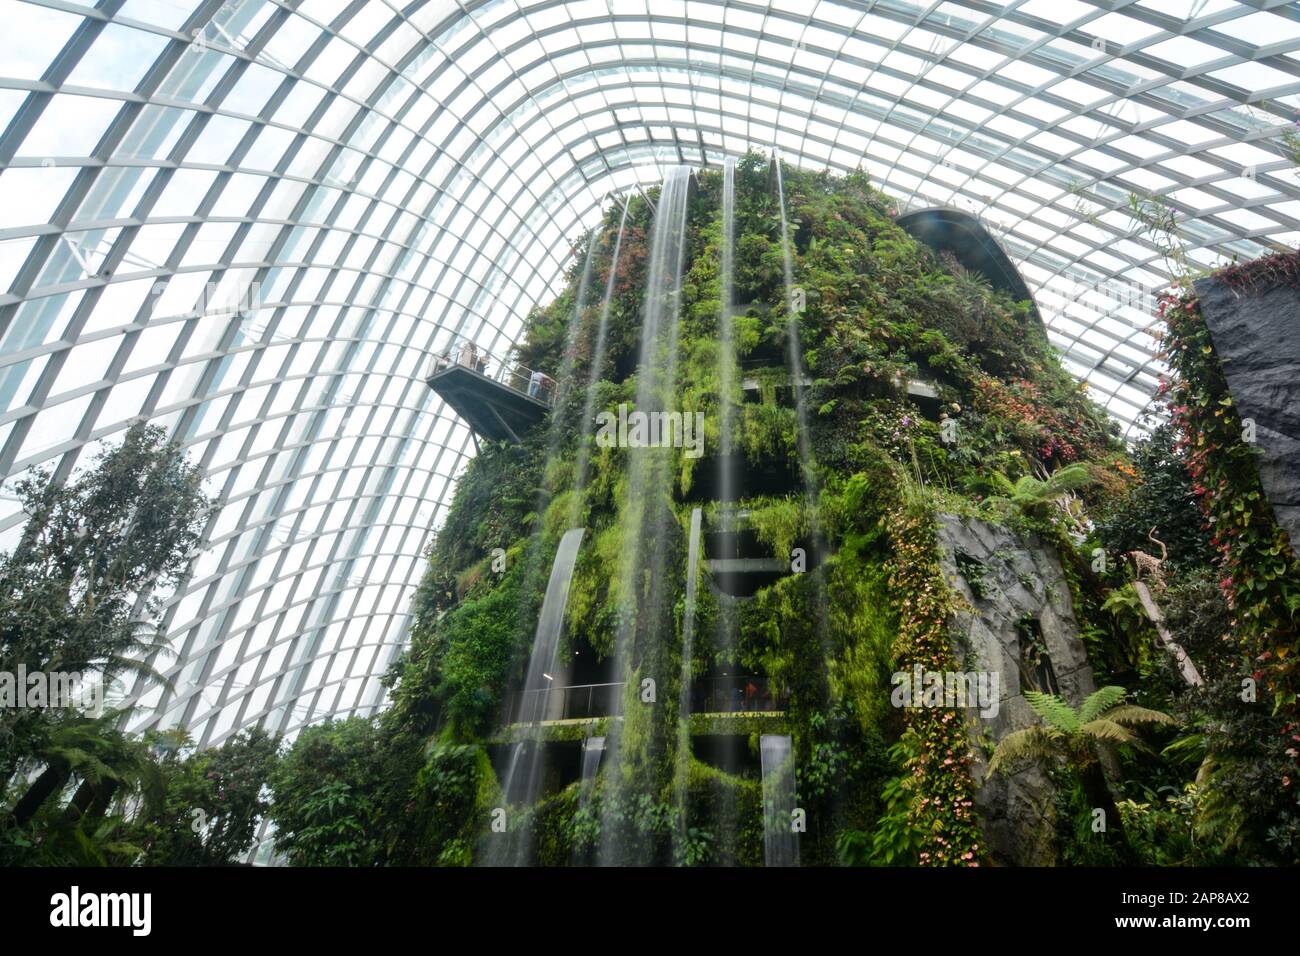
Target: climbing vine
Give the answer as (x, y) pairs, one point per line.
(1260, 574)
(944, 790)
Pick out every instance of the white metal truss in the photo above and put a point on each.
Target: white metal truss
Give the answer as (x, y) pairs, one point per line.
(254, 222)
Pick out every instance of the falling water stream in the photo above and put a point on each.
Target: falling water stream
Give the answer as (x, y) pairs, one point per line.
(521, 781)
(780, 841)
(727, 812)
(535, 699)
(593, 748)
(512, 763)
(726, 342)
(646, 511)
(798, 376)
(684, 707)
(794, 353)
(646, 520)
(597, 370)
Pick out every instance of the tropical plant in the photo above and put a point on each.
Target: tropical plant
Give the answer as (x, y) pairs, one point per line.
(896, 840)
(215, 799)
(110, 765)
(1162, 499)
(1074, 737)
(1131, 622)
(326, 795)
(1037, 496)
(81, 590)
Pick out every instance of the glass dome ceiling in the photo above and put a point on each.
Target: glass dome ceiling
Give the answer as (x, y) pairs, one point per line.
(255, 223)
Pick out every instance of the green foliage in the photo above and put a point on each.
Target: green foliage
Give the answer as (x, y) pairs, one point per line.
(451, 794)
(361, 792)
(1031, 450)
(1073, 733)
(896, 840)
(120, 530)
(1261, 573)
(214, 800)
(108, 763)
(778, 522)
(80, 594)
(325, 795)
(1236, 748)
(1162, 500)
(460, 658)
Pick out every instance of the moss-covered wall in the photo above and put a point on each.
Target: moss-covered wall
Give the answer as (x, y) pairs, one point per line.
(880, 310)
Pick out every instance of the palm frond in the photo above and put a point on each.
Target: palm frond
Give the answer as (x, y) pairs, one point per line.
(116, 664)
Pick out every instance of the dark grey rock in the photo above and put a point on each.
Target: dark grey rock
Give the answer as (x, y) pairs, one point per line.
(1019, 579)
(1257, 338)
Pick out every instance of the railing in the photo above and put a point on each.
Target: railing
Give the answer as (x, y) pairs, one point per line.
(525, 381)
(568, 703)
(718, 695)
(743, 693)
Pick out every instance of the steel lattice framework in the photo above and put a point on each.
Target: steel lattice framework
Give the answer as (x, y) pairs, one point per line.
(254, 222)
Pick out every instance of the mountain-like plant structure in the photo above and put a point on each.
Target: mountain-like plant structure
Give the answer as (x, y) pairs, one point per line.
(852, 385)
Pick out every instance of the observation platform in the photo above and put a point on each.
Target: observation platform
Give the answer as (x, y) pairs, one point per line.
(498, 400)
(738, 724)
(970, 243)
(727, 699)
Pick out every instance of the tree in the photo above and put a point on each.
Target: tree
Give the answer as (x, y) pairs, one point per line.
(1163, 500)
(1073, 736)
(101, 755)
(215, 799)
(110, 764)
(327, 793)
(81, 591)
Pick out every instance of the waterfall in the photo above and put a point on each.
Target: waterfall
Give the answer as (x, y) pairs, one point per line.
(594, 375)
(794, 358)
(726, 340)
(728, 816)
(593, 748)
(646, 513)
(522, 781)
(794, 348)
(684, 705)
(516, 749)
(522, 770)
(523, 777)
(780, 842)
(541, 662)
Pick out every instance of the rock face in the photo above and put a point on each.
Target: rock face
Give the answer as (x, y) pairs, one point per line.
(1255, 336)
(1019, 608)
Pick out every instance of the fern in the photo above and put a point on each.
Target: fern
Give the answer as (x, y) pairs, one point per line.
(1132, 714)
(1055, 711)
(1073, 735)
(1099, 702)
